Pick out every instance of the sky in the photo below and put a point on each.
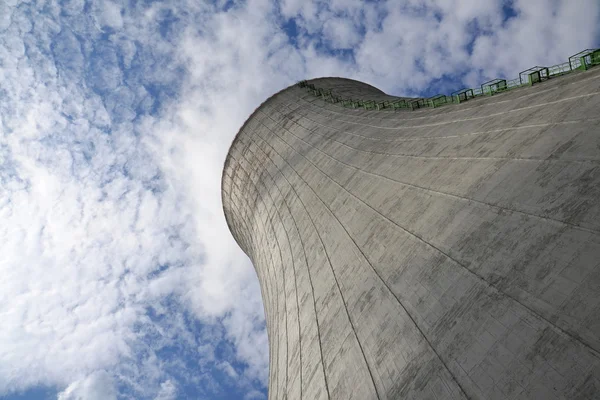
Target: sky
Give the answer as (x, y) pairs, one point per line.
(118, 276)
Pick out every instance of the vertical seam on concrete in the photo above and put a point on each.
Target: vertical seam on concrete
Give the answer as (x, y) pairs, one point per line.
(272, 263)
(270, 218)
(268, 277)
(274, 270)
(332, 270)
(282, 268)
(293, 268)
(251, 249)
(268, 261)
(307, 268)
(275, 323)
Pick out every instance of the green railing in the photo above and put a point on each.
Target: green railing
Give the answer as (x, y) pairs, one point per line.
(462, 95)
(493, 86)
(578, 62)
(560, 69)
(534, 75)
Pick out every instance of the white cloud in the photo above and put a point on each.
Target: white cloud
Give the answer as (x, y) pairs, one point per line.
(228, 369)
(97, 386)
(110, 14)
(341, 33)
(100, 190)
(168, 391)
(542, 33)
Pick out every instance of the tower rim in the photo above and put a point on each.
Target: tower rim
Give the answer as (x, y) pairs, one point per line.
(268, 100)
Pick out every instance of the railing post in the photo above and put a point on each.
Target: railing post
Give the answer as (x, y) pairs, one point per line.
(595, 57)
(534, 77)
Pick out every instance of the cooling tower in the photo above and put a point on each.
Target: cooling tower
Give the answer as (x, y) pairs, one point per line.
(444, 248)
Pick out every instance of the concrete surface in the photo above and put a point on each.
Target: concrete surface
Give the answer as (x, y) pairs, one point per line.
(446, 253)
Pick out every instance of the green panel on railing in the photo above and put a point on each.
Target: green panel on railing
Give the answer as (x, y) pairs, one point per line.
(575, 60)
(463, 95)
(595, 58)
(534, 77)
(382, 104)
(369, 105)
(534, 74)
(438, 100)
(398, 104)
(494, 86)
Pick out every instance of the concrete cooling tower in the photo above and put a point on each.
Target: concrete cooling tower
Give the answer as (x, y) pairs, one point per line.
(440, 248)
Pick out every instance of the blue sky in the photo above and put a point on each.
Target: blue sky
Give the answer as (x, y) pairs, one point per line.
(119, 277)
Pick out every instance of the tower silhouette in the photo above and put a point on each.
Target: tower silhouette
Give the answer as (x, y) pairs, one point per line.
(442, 248)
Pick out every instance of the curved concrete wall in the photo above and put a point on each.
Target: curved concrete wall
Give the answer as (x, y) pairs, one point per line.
(447, 253)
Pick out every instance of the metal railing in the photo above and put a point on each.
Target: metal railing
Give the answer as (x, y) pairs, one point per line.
(493, 86)
(577, 59)
(580, 61)
(560, 69)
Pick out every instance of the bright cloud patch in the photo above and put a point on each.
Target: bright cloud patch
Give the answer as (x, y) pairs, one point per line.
(97, 386)
(341, 33)
(119, 276)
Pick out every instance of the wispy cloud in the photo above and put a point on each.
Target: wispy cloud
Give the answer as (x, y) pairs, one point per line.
(119, 277)
(97, 386)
